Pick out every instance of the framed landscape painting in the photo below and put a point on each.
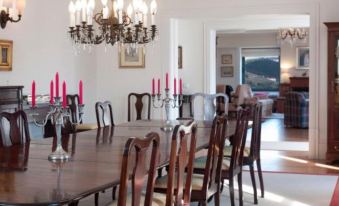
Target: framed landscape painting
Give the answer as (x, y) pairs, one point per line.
(226, 59)
(227, 71)
(6, 55)
(303, 57)
(132, 58)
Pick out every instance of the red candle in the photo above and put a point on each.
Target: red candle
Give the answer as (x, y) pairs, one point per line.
(153, 86)
(175, 86)
(158, 86)
(166, 80)
(64, 94)
(33, 94)
(81, 99)
(57, 84)
(51, 89)
(180, 86)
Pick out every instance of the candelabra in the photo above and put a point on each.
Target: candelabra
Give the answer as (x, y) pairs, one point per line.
(57, 114)
(166, 102)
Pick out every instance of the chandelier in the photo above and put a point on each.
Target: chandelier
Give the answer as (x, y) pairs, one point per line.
(11, 11)
(291, 35)
(112, 24)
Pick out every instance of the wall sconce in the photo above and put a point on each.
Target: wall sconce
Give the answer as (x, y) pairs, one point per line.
(11, 11)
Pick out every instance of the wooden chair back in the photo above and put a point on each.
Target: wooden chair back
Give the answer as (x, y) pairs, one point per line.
(14, 157)
(17, 133)
(212, 169)
(137, 148)
(239, 138)
(104, 114)
(210, 105)
(256, 114)
(73, 102)
(181, 157)
(139, 105)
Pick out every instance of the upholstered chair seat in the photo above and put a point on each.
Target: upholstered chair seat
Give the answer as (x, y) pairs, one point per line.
(158, 199)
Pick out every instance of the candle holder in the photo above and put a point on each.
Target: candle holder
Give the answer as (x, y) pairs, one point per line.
(57, 114)
(167, 102)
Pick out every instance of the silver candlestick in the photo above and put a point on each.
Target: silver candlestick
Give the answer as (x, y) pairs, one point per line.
(168, 102)
(57, 114)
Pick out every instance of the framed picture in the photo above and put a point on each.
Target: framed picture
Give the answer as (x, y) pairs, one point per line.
(132, 57)
(226, 59)
(6, 55)
(226, 71)
(303, 57)
(180, 57)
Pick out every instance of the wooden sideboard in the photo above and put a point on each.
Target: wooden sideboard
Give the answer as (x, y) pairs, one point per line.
(299, 83)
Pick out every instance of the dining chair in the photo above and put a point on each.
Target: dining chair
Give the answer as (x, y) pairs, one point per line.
(139, 105)
(136, 150)
(104, 114)
(73, 104)
(13, 128)
(206, 178)
(252, 153)
(176, 184)
(105, 135)
(210, 105)
(232, 166)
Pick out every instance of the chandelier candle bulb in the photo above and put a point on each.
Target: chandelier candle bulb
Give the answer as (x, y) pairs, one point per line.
(51, 91)
(7, 3)
(71, 9)
(84, 11)
(78, 10)
(33, 94)
(21, 4)
(105, 13)
(81, 97)
(57, 84)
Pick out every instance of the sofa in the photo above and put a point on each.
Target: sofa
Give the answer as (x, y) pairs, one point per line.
(296, 110)
(244, 95)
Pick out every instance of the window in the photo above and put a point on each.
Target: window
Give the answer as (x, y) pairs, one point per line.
(261, 68)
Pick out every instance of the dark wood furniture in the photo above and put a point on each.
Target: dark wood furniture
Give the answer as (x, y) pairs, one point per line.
(210, 166)
(176, 185)
(332, 154)
(104, 114)
(89, 160)
(139, 146)
(18, 132)
(11, 98)
(299, 83)
(139, 105)
(186, 100)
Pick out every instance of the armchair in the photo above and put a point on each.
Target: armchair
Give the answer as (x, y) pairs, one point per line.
(296, 110)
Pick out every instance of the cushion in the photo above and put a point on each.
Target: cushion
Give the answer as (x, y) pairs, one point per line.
(228, 151)
(83, 127)
(197, 181)
(201, 162)
(157, 200)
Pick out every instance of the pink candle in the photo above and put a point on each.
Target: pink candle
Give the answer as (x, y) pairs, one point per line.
(153, 86)
(33, 94)
(51, 89)
(158, 86)
(64, 95)
(81, 98)
(166, 80)
(180, 86)
(57, 84)
(175, 86)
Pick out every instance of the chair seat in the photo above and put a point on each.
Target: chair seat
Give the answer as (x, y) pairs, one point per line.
(84, 127)
(228, 151)
(157, 200)
(197, 181)
(199, 163)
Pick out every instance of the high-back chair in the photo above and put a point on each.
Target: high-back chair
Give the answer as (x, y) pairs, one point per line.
(16, 131)
(232, 166)
(73, 104)
(210, 105)
(136, 150)
(176, 185)
(296, 108)
(104, 114)
(207, 185)
(139, 105)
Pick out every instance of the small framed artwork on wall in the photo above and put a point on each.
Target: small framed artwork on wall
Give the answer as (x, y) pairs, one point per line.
(132, 57)
(303, 58)
(6, 55)
(227, 71)
(226, 59)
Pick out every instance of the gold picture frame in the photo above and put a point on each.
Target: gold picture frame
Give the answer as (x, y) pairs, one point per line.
(132, 58)
(6, 55)
(226, 59)
(227, 71)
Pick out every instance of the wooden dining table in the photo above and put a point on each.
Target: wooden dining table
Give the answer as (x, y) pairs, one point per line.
(28, 178)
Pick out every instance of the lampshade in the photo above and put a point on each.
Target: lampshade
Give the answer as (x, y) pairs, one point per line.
(21, 4)
(7, 3)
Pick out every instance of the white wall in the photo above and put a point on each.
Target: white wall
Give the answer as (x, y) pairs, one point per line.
(236, 63)
(42, 47)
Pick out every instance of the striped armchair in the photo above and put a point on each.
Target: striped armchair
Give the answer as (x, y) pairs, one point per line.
(296, 110)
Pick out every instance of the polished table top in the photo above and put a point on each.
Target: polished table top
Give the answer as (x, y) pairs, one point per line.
(27, 177)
